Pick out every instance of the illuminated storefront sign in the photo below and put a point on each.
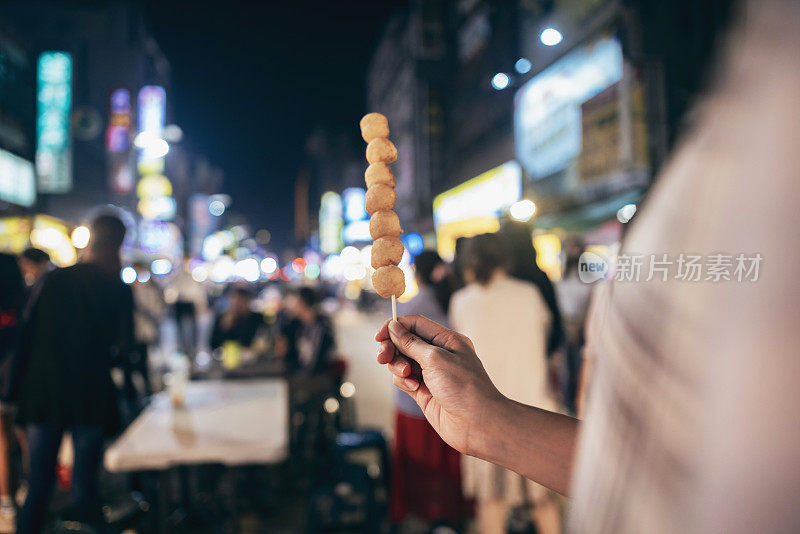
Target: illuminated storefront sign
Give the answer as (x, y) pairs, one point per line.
(159, 237)
(154, 185)
(548, 254)
(355, 204)
(475, 206)
(118, 139)
(579, 127)
(153, 189)
(51, 234)
(356, 231)
(17, 180)
(14, 234)
(119, 124)
(355, 215)
(201, 221)
(54, 104)
(152, 109)
(547, 118)
(330, 223)
(157, 208)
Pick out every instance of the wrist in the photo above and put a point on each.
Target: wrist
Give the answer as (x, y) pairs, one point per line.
(491, 422)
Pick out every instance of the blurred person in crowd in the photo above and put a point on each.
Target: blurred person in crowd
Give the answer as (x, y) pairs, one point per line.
(81, 322)
(12, 296)
(573, 299)
(148, 313)
(189, 301)
(238, 323)
(306, 341)
(426, 472)
(692, 423)
(508, 321)
(524, 267)
(458, 255)
(35, 263)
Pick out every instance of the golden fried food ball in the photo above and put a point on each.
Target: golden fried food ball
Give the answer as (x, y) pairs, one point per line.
(380, 149)
(379, 173)
(386, 251)
(380, 197)
(389, 281)
(384, 224)
(374, 125)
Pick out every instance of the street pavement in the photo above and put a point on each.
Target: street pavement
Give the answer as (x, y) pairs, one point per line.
(355, 337)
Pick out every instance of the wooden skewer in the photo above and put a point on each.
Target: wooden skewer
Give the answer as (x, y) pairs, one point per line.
(394, 308)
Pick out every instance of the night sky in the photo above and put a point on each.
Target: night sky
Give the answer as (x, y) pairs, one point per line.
(252, 79)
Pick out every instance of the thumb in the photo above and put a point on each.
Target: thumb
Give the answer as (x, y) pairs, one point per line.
(411, 345)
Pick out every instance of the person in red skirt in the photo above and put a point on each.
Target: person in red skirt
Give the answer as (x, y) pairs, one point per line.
(426, 472)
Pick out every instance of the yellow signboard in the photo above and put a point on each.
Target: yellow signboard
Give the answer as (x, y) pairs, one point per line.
(475, 206)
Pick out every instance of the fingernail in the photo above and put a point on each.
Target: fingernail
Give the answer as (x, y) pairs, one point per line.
(403, 368)
(411, 384)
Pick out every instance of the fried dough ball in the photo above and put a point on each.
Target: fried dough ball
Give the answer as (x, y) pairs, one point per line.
(384, 224)
(380, 149)
(374, 125)
(389, 281)
(386, 251)
(380, 197)
(379, 173)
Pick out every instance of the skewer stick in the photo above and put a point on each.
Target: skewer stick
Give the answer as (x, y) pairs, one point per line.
(394, 308)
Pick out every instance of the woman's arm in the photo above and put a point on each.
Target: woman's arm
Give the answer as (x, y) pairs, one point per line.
(467, 410)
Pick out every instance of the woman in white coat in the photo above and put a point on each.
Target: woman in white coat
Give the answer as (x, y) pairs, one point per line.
(508, 321)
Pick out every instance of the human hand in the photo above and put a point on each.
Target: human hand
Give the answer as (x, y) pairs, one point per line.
(440, 370)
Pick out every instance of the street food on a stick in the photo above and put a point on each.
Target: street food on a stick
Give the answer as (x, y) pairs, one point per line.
(384, 224)
(389, 281)
(386, 251)
(374, 125)
(380, 197)
(379, 173)
(381, 150)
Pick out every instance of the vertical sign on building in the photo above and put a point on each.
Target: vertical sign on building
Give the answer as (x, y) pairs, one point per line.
(119, 124)
(154, 203)
(118, 135)
(152, 109)
(330, 223)
(54, 104)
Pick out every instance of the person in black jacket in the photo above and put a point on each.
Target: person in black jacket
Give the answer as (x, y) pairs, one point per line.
(308, 340)
(238, 323)
(81, 321)
(12, 295)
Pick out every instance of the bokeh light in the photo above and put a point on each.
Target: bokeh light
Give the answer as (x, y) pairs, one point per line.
(200, 273)
(216, 208)
(80, 237)
(550, 37)
(161, 266)
(269, 265)
(626, 213)
(299, 265)
(128, 274)
(312, 271)
(248, 269)
(500, 81)
(523, 210)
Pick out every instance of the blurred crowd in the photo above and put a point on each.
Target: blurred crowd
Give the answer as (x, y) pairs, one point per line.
(83, 352)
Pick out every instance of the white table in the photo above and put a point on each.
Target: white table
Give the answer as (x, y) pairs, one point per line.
(223, 422)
